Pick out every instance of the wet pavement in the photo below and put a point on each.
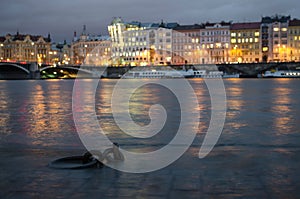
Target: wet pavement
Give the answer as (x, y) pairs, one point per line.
(228, 172)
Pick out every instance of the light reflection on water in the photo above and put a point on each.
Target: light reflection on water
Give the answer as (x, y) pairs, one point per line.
(235, 103)
(282, 107)
(39, 113)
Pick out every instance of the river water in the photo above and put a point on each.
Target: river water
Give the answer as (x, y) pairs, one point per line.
(256, 156)
(260, 113)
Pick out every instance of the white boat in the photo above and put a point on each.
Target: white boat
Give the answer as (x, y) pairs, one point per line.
(281, 73)
(161, 73)
(168, 72)
(219, 74)
(231, 75)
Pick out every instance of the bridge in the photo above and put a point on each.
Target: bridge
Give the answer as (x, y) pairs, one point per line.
(10, 70)
(33, 71)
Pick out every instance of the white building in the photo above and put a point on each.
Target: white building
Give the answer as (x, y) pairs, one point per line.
(141, 44)
(215, 43)
(186, 45)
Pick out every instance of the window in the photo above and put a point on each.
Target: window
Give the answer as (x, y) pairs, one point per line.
(256, 34)
(233, 34)
(265, 49)
(276, 29)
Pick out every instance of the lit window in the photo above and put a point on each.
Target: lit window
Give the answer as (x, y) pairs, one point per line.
(265, 49)
(256, 34)
(296, 38)
(251, 40)
(233, 34)
(284, 29)
(256, 40)
(239, 40)
(276, 29)
(233, 41)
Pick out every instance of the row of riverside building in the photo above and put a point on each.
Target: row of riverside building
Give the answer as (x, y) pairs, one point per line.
(273, 39)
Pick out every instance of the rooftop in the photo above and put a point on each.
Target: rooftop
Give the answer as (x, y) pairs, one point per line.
(188, 27)
(21, 37)
(294, 22)
(245, 26)
(276, 18)
(2, 39)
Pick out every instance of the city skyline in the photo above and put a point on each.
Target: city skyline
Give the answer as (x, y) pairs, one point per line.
(62, 18)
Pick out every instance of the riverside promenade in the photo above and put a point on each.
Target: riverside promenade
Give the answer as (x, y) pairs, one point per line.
(228, 172)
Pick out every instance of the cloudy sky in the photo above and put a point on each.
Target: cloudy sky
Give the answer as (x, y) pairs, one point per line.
(62, 17)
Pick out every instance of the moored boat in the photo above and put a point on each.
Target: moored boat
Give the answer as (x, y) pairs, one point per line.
(281, 74)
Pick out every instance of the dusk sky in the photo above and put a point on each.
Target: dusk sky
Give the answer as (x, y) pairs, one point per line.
(62, 17)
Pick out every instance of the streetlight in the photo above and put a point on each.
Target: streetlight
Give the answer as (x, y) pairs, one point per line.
(235, 50)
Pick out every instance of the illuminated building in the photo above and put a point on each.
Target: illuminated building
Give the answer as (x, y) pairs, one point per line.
(91, 50)
(186, 45)
(294, 40)
(215, 43)
(245, 42)
(29, 48)
(60, 53)
(2, 39)
(141, 44)
(274, 38)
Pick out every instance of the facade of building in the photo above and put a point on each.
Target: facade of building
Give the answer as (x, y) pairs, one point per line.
(215, 43)
(2, 39)
(137, 43)
(274, 39)
(25, 48)
(152, 46)
(294, 40)
(274, 36)
(245, 42)
(60, 53)
(186, 46)
(91, 50)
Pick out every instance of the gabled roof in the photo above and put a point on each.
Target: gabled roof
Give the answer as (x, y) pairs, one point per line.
(245, 26)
